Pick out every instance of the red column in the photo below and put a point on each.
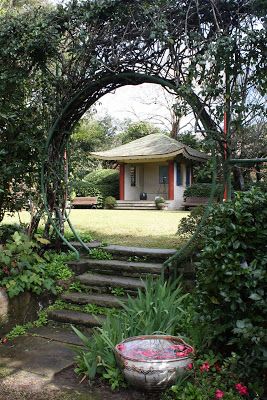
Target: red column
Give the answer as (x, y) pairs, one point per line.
(171, 180)
(122, 180)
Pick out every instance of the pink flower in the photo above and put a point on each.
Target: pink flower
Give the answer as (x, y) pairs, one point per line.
(190, 366)
(219, 394)
(205, 367)
(243, 390)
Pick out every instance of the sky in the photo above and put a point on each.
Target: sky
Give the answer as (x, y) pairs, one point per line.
(146, 102)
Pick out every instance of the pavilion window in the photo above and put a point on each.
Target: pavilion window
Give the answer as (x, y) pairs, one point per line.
(133, 176)
(163, 174)
(188, 175)
(179, 176)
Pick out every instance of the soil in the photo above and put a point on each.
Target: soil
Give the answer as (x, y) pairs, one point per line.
(66, 385)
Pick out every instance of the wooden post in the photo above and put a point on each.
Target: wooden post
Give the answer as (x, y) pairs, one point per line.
(122, 181)
(171, 180)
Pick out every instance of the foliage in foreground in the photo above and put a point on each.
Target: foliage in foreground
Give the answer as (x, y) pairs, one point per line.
(163, 309)
(160, 308)
(23, 269)
(231, 279)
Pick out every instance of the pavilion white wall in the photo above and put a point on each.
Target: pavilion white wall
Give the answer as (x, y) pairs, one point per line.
(151, 181)
(133, 192)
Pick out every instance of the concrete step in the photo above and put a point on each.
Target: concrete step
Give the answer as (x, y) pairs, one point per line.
(125, 252)
(107, 281)
(76, 318)
(126, 268)
(102, 300)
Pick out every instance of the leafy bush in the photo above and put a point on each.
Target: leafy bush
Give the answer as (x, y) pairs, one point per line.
(57, 268)
(105, 180)
(84, 235)
(262, 185)
(87, 189)
(7, 230)
(100, 254)
(160, 308)
(211, 377)
(231, 278)
(110, 202)
(202, 190)
(188, 225)
(21, 268)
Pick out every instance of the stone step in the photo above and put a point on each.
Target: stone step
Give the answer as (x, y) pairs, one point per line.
(136, 205)
(135, 202)
(97, 280)
(125, 252)
(103, 300)
(126, 268)
(76, 318)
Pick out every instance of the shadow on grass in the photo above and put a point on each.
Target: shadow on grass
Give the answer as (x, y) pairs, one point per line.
(161, 241)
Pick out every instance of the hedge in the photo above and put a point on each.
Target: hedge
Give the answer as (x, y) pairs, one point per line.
(105, 180)
(202, 190)
(84, 189)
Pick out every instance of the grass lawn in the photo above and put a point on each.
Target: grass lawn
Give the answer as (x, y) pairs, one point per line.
(125, 227)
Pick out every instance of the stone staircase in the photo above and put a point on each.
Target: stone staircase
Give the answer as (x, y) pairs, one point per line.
(101, 279)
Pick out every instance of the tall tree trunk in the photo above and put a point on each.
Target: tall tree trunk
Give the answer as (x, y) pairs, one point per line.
(239, 183)
(35, 220)
(258, 172)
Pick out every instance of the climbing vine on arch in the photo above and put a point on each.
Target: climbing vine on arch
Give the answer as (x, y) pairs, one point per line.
(85, 49)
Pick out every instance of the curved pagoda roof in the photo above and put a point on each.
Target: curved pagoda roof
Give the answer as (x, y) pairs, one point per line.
(149, 148)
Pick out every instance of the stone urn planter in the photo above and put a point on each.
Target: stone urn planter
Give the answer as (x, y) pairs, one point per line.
(153, 362)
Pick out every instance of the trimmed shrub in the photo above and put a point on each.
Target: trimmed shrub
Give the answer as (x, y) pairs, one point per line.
(159, 202)
(202, 190)
(231, 278)
(110, 202)
(105, 180)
